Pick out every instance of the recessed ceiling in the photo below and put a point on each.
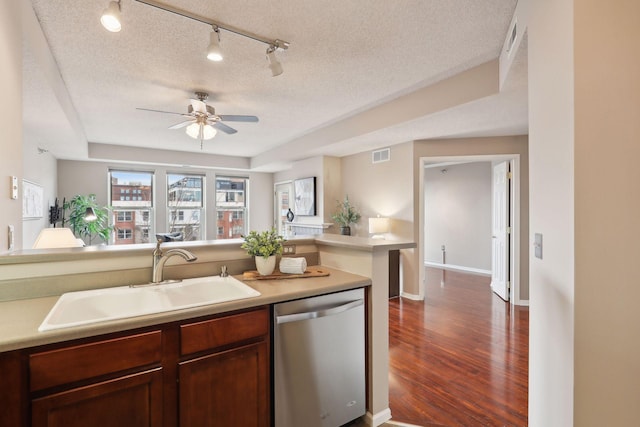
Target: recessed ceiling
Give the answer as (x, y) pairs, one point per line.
(345, 58)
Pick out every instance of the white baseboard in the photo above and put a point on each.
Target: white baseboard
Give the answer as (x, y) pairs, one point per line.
(522, 302)
(411, 296)
(460, 268)
(377, 419)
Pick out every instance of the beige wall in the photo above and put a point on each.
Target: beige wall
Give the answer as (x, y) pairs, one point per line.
(10, 119)
(551, 162)
(384, 189)
(607, 203)
(481, 147)
(326, 169)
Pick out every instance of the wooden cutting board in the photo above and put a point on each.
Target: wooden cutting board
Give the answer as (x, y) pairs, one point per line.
(309, 272)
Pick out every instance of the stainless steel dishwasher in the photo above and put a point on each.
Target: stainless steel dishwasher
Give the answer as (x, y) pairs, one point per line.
(319, 360)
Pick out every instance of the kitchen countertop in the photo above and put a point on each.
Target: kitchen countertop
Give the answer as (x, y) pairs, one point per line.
(20, 319)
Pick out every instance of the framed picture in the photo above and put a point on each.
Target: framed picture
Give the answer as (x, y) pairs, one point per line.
(305, 196)
(32, 200)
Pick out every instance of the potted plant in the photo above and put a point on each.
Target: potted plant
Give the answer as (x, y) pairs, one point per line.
(264, 247)
(84, 225)
(345, 216)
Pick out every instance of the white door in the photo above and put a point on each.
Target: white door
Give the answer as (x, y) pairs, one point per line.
(500, 231)
(283, 201)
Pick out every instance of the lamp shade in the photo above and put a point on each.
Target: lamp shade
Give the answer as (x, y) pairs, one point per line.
(378, 225)
(56, 238)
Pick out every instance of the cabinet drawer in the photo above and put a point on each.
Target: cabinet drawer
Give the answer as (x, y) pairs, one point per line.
(209, 334)
(69, 364)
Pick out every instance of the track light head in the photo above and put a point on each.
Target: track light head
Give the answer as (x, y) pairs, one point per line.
(213, 51)
(274, 64)
(110, 18)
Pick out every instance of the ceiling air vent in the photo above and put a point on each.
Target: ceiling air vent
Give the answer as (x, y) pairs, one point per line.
(380, 156)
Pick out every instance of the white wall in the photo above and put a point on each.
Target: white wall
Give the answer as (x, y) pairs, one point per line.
(458, 214)
(85, 177)
(10, 119)
(40, 168)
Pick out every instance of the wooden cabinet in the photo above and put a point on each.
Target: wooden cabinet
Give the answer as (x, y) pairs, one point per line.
(110, 382)
(133, 400)
(228, 384)
(210, 372)
(226, 389)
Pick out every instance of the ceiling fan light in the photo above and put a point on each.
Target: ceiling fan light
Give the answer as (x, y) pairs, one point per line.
(213, 51)
(208, 132)
(274, 64)
(110, 18)
(193, 130)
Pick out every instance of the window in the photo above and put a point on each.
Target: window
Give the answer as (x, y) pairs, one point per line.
(185, 205)
(124, 234)
(231, 206)
(134, 210)
(124, 216)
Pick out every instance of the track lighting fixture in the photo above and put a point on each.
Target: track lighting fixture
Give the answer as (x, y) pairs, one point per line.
(111, 21)
(213, 51)
(274, 64)
(110, 18)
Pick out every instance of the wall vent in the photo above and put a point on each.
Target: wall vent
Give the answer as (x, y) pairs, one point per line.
(380, 156)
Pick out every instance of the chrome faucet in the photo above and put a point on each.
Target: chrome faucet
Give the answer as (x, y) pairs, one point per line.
(160, 258)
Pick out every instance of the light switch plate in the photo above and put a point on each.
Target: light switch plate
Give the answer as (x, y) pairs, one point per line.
(537, 245)
(14, 187)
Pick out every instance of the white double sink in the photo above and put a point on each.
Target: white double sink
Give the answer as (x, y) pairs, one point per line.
(85, 307)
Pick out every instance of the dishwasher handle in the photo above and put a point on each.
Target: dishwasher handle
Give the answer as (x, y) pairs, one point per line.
(296, 317)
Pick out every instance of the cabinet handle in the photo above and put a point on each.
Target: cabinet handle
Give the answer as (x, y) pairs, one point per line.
(320, 313)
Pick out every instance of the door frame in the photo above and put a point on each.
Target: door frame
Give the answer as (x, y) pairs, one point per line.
(514, 212)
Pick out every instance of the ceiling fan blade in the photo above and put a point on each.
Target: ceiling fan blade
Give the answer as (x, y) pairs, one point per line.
(182, 124)
(224, 128)
(159, 111)
(199, 106)
(235, 118)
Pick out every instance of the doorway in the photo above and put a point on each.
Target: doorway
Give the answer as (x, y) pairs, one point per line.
(511, 256)
(283, 194)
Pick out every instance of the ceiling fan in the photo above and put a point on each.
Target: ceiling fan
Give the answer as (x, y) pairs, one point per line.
(202, 120)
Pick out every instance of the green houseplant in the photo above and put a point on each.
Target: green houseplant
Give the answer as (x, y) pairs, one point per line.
(264, 247)
(84, 227)
(345, 215)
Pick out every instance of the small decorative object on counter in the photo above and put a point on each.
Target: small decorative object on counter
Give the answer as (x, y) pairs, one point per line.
(345, 216)
(264, 247)
(291, 265)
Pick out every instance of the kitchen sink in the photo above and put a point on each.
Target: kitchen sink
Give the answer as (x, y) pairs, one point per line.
(98, 305)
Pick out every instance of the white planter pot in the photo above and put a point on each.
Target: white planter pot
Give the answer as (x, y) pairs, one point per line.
(265, 266)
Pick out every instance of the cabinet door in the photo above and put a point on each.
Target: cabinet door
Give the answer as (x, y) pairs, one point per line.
(226, 389)
(132, 401)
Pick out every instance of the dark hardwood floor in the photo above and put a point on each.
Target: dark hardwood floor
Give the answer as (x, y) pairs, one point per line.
(459, 358)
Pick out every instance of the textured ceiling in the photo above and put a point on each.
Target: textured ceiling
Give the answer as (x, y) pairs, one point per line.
(345, 57)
